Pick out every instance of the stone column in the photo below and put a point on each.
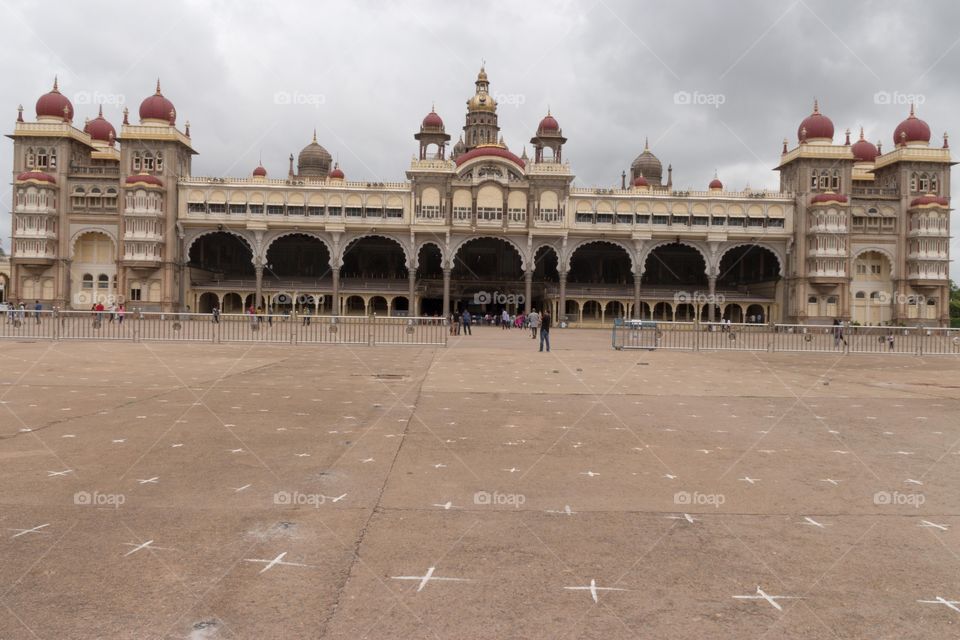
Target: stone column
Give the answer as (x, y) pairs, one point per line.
(636, 297)
(712, 299)
(335, 304)
(411, 292)
(527, 289)
(258, 296)
(446, 292)
(563, 295)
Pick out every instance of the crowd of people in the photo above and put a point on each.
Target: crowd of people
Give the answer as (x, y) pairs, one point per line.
(462, 323)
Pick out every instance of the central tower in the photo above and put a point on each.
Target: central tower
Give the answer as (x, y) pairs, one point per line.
(481, 127)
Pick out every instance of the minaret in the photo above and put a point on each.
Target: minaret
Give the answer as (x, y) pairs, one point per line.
(481, 126)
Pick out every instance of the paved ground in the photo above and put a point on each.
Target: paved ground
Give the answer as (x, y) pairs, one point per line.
(478, 491)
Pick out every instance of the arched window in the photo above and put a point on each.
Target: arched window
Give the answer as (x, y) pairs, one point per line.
(95, 198)
(159, 161)
(53, 159)
(860, 295)
(31, 159)
(103, 281)
(924, 183)
(835, 180)
(41, 158)
(934, 186)
(913, 182)
(148, 164)
(824, 180)
(812, 300)
(88, 281)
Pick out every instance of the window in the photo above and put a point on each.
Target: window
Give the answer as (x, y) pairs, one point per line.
(274, 209)
(394, 213)
(136, 162)
(256, 208)
(110, 199)
(196, 207)
(861, 295)
(861, 269)
(31, 159)
(835, 181)
(661, 219)
(52, 163)
(217, 207)
(924, 183)
(103, 281)
(135, 291)
(42, 159)
(913, 182)
(238, 209)
(314, 211)
(875, 269)
(333, 211)
(586, 217)
(148, 164)
(294, 211)
(832, 300)
(812, 300)
(159, 161)
(354, 212)
(604, 218)
(88, 281)
(624, 218)
(78, 198)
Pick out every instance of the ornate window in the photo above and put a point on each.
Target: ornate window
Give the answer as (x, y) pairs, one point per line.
(159, 161)
(88, 281)
(148, 163)
(136, 162)
(924, 183)
(913, 182)
(31, 159)
(41, 159)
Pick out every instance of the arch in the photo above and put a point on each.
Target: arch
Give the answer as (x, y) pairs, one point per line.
(781, 260)
(419, 248)
(272, 237)
(378, 264)
(378, 305)
(192, 238)
(881, 250)
(349, 242)
(617, 243)
(645, 254)
(465, 241)
(354, 305)
(207, 301)
(85, 230)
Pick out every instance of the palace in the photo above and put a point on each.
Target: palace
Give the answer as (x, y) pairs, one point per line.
(852, 233)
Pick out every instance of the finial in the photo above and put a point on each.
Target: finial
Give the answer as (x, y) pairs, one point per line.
(126, 116)
(548, 109)
(785, 142)
(646, 145)
(816, 106)
(314, 135)
(715, 176)
(861, 132)
(187, 129)
(847, 142)
(158, 86)
(879, 146)
(433, 107)
(946, 144)
(912, 114)
(100, 115)
(56, 84)
(19, 113)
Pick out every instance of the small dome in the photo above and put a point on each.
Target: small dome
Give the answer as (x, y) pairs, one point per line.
(864, 150)
(930, 200)
(36, 176)
(100, 129)
(647, 164)
(314, 160)
(55, 105)
(815, 127)
(640, 181)
(432, 121)
(157, 108)
(260, 172)
(490, 150)
(549, 123)
(911, 130)
(829, 196)
(715, 184)
(337, 173)
(143, 179)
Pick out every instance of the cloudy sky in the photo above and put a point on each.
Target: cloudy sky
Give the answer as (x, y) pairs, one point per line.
(256, 80)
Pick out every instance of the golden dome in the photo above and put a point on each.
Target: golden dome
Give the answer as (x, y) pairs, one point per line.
(482, 101)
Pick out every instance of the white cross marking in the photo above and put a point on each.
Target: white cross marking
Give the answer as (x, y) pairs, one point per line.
(365, 460)
(427, 577)
(941, 600)
(338, 498)
(593, 588)
(685, 516)
(566, 511)
(439, 465)
(927, 523)
(276, 561)
(51, 474)
(761, 595)
(138, 547)
(511, 470)
(239, 489)
(24, 531)
(235, 450)
(911, 481)
(446, 505)
(589, 473)
(669, 476)
(811, 521)
(152, 480)
(831, 481)
(750, 480)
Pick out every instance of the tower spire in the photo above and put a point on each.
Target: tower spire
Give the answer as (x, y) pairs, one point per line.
(158, 86)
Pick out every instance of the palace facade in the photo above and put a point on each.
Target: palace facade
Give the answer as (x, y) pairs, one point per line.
(852, 233)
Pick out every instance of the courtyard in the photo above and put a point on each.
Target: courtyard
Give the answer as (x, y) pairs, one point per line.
(483, 490)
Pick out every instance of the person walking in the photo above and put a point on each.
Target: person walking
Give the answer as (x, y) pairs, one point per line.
(505, 319)
(215, 314)
(121, 312)
(545, 322)
(306, 311)
(37, 308)
(838, 334)
(534, 320)
(466, 322)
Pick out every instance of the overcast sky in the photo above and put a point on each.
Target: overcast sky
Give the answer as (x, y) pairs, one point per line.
(258, 78)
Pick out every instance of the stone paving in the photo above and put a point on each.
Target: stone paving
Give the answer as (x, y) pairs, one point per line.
(485, 490)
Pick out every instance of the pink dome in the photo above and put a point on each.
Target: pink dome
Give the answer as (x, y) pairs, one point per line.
(157, 107)
(913, 129)
(864, 150)
(432, 121)
(36, 176)
(549, 123)
(816, 126)
(260, 172)
(640, 181)
(489, 151)
(55, 105)
(100, 129)
(337, 172)
(930, 200)
(144, 179)
(715, 184)
(829, 196)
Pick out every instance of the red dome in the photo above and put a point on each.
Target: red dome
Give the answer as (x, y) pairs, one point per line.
(144, 179)
(640, 181)
(549, 123)
(156, 107)
(500, 152)
(260, 172)
(929, 200)
(337, 172)
(52, 105)
(913, 129)
(815, 126)
(432, 120)
(716, 184)
(829, 196)
(36, 176)
(864, 150)
(100, 129)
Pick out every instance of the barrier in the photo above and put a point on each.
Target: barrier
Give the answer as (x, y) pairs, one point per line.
(718, 336)
(137, 326)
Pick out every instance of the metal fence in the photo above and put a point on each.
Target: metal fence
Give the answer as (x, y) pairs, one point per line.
(709, 336)
(226, 328)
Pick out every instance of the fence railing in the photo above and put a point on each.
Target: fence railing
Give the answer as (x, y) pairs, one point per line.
(718, 336)
(136, 326)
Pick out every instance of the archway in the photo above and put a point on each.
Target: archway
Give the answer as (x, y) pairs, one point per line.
(378, 305)
(662, 312)
(675, 266)
(207, 302)
(93, 270)
(430, 280)
(614, 309)
(685, 312)
(749, 269)
(600, 262)
(232, 303)
(546, 274)
(591, 311)
(756, 314)
(374, 258)
(220, 256)
(400, 306)
(872, 289)
(298, 255)
(488, 276)
(354, 306)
